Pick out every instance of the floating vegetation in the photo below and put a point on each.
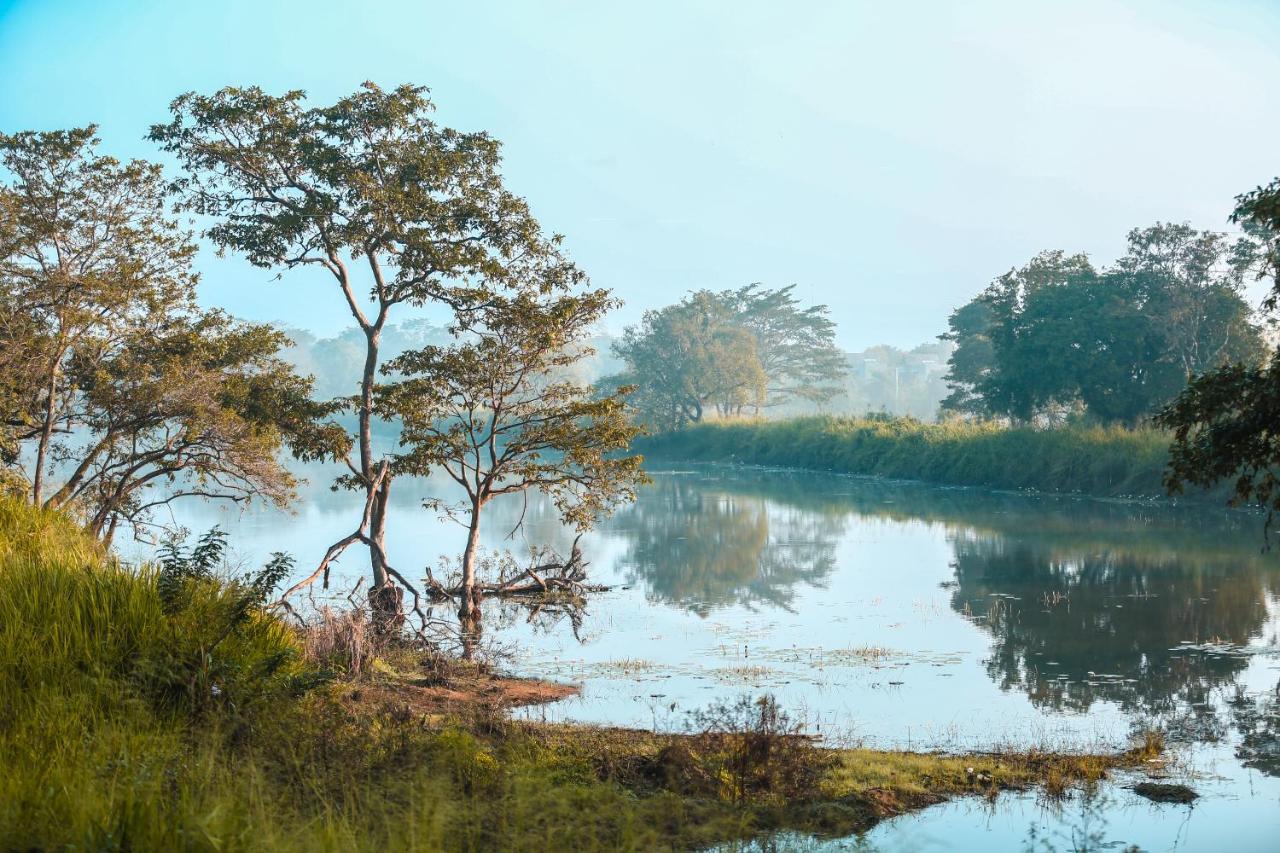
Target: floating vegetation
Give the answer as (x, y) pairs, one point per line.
(753, 675)
(1163, 792)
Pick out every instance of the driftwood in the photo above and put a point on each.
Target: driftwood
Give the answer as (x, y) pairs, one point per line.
(562, 580)
(557, 577)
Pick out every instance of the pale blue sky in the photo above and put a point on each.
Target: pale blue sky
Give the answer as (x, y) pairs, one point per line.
(888, 157)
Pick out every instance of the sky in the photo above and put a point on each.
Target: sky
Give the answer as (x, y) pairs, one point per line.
(888, 158)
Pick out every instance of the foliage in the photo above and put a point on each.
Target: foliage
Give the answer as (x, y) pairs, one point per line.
(370, 181)
(732, 350)
(1108, 461)
(687, 357)
(796, 346)
(112, 377)
(493, 413)
(1224, 422)
(1058, 334)
(755, 748)
(1224, 429)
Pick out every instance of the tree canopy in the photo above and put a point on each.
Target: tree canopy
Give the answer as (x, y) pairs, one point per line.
(368, 183)
(728, 351)
(1224, 422)
(494, 413)
(1058, 334)
(114, 383)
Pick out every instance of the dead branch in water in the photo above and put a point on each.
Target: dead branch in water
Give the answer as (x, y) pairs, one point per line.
(565, 577)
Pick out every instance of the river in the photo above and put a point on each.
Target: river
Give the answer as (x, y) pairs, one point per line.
(898, 615)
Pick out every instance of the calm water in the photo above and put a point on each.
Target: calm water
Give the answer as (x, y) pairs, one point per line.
(903, 615)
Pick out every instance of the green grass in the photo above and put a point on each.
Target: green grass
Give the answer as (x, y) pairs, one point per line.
(132, 718)
(1103, 461)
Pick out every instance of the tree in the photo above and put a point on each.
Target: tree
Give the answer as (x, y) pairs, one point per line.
(1120, 342)
(1192, 281)
(1224, 422)
(687, 357)
(1021, 318)
(492, 413)
(972, 361)
(369, 182)
(113, 383)
(795, 346)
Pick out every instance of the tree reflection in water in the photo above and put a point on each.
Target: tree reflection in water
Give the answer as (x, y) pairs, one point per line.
(701, 544)
(1144, 606)
(1072, 628)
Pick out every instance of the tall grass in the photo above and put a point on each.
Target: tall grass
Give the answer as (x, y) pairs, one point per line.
(1105, 461)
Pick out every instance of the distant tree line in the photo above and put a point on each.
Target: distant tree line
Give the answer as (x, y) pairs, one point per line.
(1059, 335)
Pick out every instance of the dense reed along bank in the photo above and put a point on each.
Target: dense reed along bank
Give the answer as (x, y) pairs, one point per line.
(1102, 461)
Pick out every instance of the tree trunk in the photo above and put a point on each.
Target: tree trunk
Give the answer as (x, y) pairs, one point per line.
(46, 438)
(378, 518)
(469, 607)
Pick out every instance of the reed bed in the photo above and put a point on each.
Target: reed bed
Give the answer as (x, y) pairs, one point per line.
(1093, 460)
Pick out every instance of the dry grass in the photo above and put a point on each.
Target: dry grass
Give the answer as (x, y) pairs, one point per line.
(339, 639)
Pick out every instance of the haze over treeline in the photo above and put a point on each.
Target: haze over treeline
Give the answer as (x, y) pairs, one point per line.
(888, 176)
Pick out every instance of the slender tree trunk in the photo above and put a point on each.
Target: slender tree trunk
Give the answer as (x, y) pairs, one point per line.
(469, 608)
(110, 534)
(377, 519)
(46, 438)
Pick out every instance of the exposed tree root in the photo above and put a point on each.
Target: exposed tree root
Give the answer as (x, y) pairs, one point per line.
(387, 600)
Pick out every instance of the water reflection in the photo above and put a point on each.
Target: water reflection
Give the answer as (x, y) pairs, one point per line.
(1257, 718)
(703, 543)
(1151, 608)
(1072, 627)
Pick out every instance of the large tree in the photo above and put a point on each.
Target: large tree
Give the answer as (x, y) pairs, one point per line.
(1224, 423)
(495, 413)
(796, 346)
(395, 208)
(1119, 342)
(119, 394)
(688, 357)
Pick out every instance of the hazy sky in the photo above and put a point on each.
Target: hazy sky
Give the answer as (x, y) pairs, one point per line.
(888, 157)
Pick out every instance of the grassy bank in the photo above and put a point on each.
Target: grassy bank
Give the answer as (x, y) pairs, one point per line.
(139, 711)
(1107, 462)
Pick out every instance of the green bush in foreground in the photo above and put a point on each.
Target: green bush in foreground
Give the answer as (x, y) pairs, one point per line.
(1105, 461)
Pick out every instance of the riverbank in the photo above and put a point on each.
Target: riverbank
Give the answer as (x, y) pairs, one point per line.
(1100, 461)
(165, 709)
